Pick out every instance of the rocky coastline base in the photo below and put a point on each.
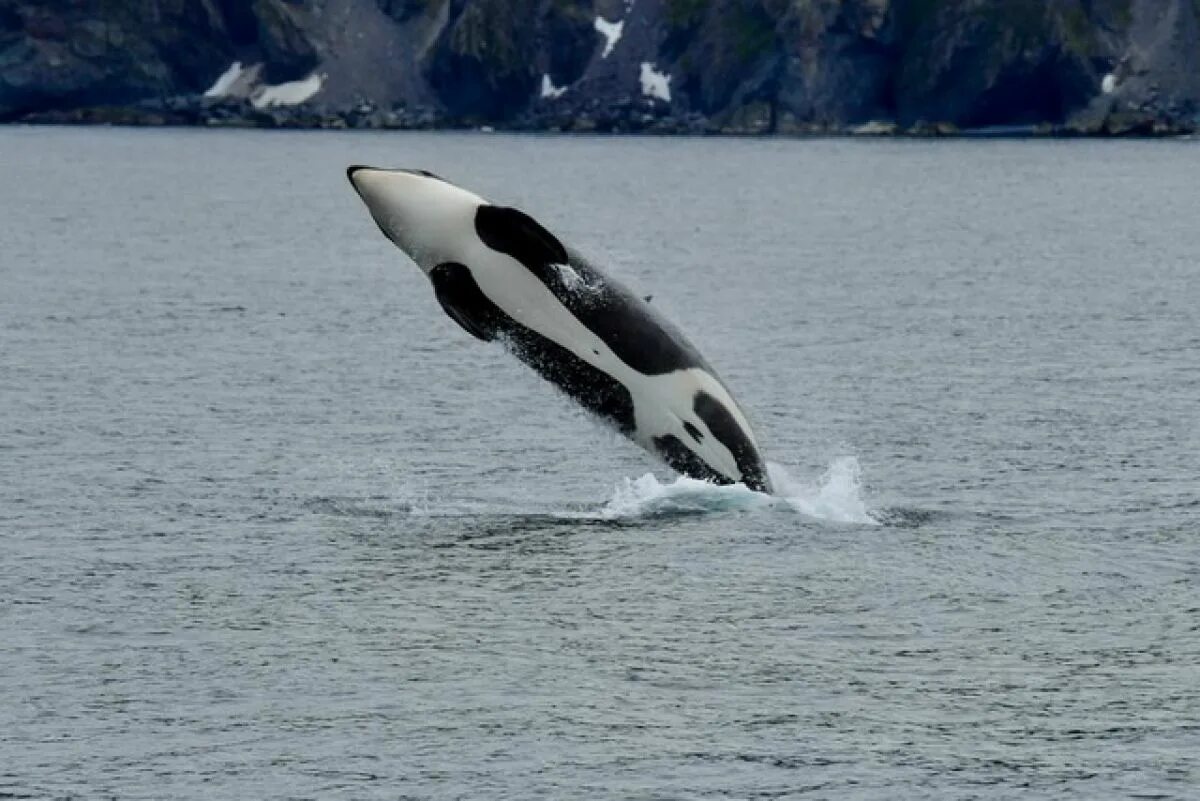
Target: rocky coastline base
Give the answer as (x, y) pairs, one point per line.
(632, 115)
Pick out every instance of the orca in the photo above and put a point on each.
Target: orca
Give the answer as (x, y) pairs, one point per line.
(503, 277)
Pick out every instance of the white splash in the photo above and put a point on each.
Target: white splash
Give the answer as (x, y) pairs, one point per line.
(1109, 84)
(287, 94)
(572, 281)
(611, 31)
(835, 497)
(655, 83)
(225, 82)
(549, 90)
(649, 497)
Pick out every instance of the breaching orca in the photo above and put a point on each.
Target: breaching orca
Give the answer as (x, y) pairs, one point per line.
(502, 276)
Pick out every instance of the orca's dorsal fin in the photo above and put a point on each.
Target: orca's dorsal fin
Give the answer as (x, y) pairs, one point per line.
(516, 234)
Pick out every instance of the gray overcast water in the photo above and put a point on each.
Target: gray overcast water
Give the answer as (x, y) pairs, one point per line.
(272, 526)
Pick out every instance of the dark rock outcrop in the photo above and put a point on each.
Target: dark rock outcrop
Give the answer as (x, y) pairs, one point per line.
(489, 59)
(739, 66)
(63, 54)
(980, 64)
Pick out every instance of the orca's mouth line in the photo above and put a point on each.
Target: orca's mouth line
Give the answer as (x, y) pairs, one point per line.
(353, 168)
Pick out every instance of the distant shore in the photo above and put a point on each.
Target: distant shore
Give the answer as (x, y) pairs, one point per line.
(627, 116)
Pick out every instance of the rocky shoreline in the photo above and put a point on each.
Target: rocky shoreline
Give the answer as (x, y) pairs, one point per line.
(694, 67)
(628, 115)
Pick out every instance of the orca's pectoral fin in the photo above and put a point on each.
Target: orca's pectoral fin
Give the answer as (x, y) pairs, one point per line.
(467, 324)
(462, 299)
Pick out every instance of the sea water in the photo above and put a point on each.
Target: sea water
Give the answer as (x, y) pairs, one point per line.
(272, 526)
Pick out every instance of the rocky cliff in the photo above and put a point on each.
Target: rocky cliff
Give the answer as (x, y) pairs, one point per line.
(1088, 66)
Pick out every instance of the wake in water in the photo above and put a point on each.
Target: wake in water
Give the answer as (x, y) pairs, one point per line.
(836, 496)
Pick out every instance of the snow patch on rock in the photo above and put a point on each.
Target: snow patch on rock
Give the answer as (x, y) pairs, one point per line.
(243, 82)
(291, 93)
(655, 83)
(226, 81)
(549, 90)
(611, 31)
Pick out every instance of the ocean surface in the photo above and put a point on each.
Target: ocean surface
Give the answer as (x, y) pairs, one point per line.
(273, 527)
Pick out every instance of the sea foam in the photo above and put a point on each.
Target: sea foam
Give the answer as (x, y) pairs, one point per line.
(836, 496)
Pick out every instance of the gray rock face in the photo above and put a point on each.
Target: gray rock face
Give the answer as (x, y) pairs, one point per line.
(980, 64)
(747, 66)
(1155, 81)
(57, 54)
(489, 57)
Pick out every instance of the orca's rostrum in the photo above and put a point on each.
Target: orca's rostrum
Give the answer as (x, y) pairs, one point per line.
(502, 276)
